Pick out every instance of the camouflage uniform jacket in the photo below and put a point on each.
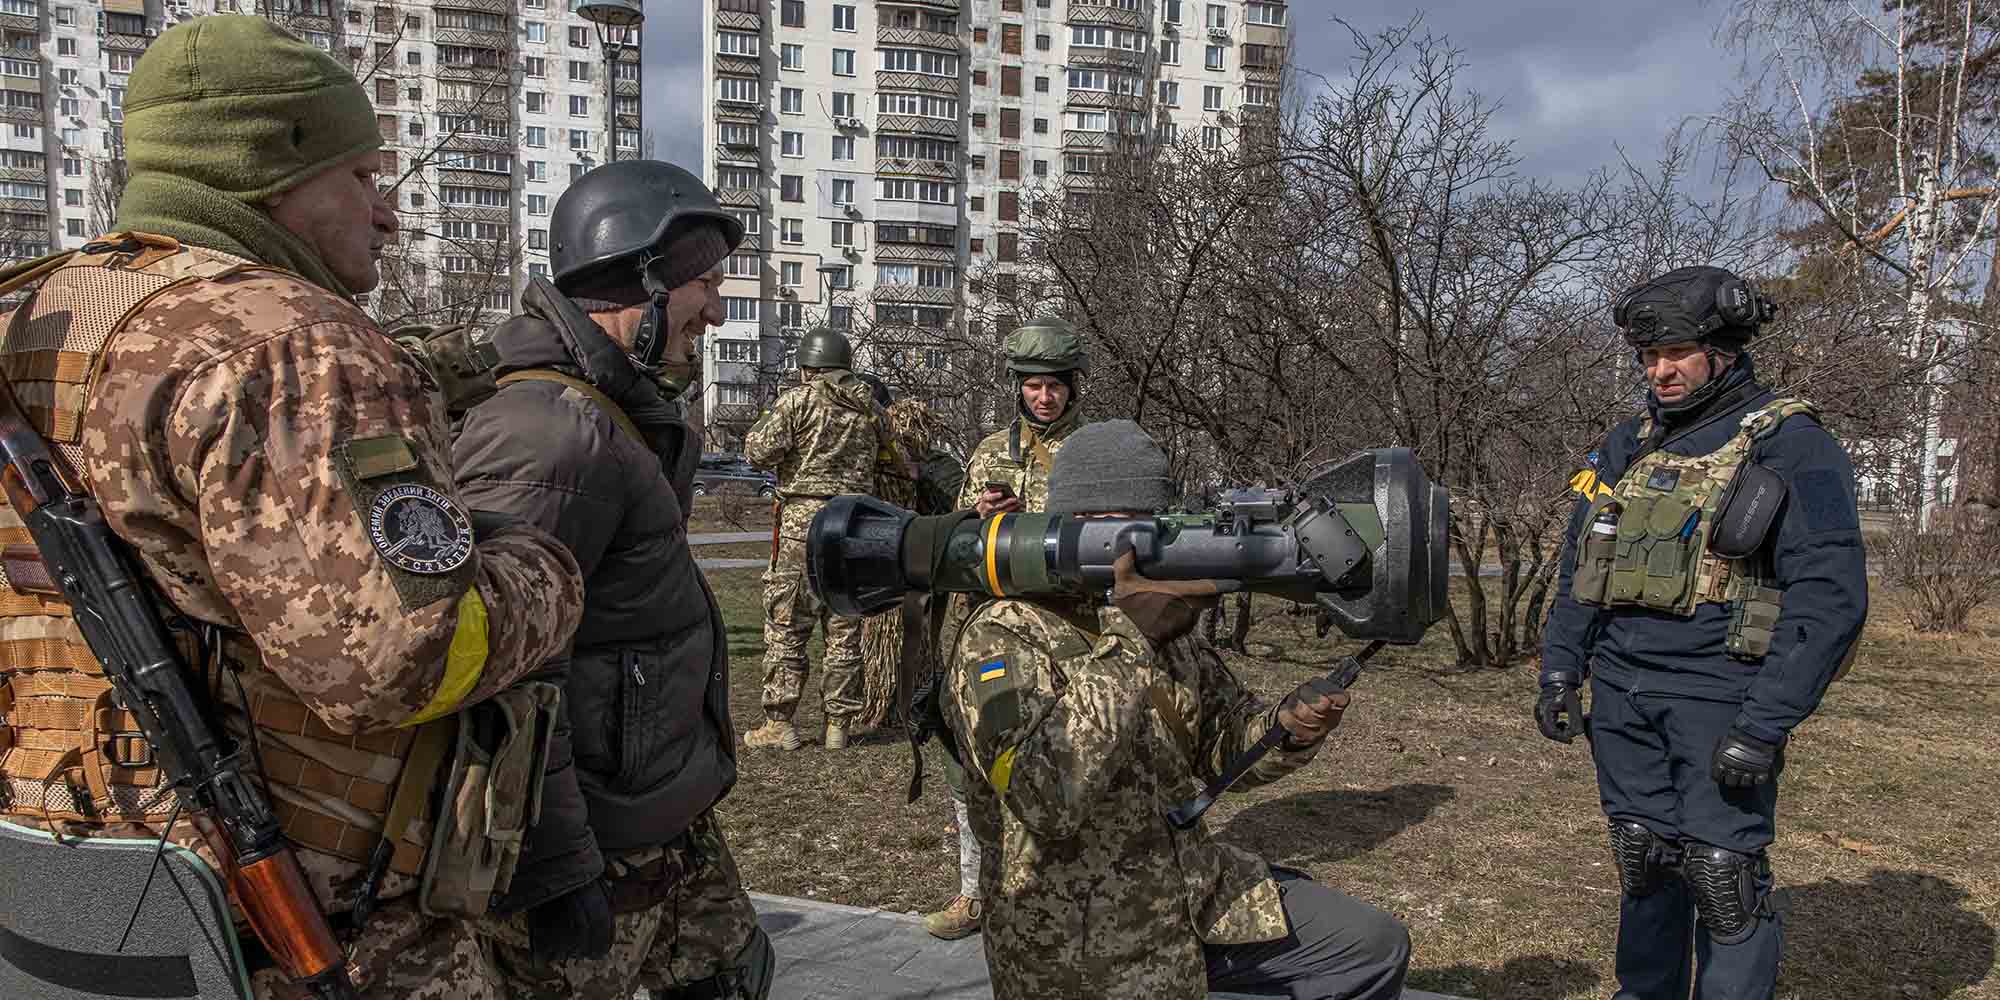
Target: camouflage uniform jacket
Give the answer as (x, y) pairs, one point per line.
(235, 438)
(824, 438)
(1091, 893)
(1024, 467)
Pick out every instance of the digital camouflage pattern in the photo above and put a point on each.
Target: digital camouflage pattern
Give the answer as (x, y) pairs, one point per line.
(691, 936)
(993, 460)
(216, 440)
(790, 612)
(824, 438)
(219, 439)
(1071, 770)
(408, 956)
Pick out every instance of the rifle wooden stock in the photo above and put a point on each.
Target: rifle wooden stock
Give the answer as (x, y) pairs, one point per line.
(75, 554)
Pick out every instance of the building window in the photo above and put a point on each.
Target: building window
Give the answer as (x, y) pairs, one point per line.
(843, 62)
(579, 139)
(538, 170)
(1041, 126)
(72, 166)
(792, 187)
(739, 309)
(792, 56)
(1007, 248)
(538, 102)
(843, 104)
(1170, 51)
(1213, 59)
(1170, 93)
(728, 43)
(579, 37)
(1218, 16)
(792, 143)
(740, 265)
(752, 222)
(1170, 11)
(978, 119)
(413, 58)
(1010, 164)
(535, 67)
(537, 31)
(65, 15)
(1211, 98)
(979, 36)
(976, 204)
(538, 136)
(73, 226)
(538, 239)
(1260, 96)
(843, 233)
(736, 90)
(1042, 43)
(843, 17)
(73, 197)
(1008, 206)
(1267, 13)
(65, 46)
(1010, 39)
(1010, 123)
(912, 189)
(1211, 137)
(792, 13)
(580, 71)
(843, 147)
(791, 100)
(1041, 168)
(843, 192)
(791, 273)
(1010, 81)
(792, 231)
(1169, 132)
(979, 78)
(579, 106)
(1041, 85)
(791, 314)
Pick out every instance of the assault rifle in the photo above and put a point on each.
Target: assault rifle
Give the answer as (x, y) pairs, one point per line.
(81, 561)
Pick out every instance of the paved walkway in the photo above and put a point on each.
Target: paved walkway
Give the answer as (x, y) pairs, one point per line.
(832, 952)
(728, 537)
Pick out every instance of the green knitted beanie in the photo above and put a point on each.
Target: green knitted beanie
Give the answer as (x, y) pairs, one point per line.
(237, 104)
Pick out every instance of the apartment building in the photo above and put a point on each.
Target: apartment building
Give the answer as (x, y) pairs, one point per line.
(878, 149)
(488, 109)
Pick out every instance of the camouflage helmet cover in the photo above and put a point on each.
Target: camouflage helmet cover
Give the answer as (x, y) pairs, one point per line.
(1045, 347)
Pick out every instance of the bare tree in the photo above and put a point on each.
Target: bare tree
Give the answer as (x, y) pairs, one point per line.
(1878, 124)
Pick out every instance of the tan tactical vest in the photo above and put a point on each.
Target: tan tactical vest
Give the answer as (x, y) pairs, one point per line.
(1665, 509)
(67, 752)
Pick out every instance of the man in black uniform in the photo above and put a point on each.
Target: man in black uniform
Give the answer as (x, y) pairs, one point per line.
(1712, 585)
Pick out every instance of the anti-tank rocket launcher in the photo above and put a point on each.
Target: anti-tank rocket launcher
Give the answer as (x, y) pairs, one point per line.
(1363, 538)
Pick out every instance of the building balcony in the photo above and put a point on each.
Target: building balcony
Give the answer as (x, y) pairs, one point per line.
(125, 43)
(483, 6)
(725, 153)
(1112, 58)
(1073, 139)
(749, 112)
(920, 37)
(948, 6)
(918, 252)
(499, 76)
(917, 125)
(739, 20)
(1099, 99)
(739, 197)
(475, 178)
(1086, 13)
(916, 168)
(628, 88)
(738, 66)
(887, 79)
(26, 116)
(498, 41)
(21, 22)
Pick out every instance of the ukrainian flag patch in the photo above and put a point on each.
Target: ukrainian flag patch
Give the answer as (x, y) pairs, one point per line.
(993, 671)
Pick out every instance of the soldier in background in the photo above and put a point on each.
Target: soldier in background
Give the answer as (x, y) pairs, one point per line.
(824, 438)
(1009, 472)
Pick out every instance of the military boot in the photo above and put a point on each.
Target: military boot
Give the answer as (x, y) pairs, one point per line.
(836, 733)
(774, 734)
(960, 919)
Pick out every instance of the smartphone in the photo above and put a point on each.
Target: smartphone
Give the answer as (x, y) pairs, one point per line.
(1005, 489)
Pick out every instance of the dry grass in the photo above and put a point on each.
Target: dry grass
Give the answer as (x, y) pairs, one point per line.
(1438, 801)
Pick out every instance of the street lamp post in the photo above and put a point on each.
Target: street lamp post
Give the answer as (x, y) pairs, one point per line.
(615, 21)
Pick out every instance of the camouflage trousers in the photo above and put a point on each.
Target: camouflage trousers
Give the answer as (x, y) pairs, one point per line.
(790, 612)
(408, 956)
(696, 932)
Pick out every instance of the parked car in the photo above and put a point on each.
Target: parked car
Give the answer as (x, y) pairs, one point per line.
(720, 471)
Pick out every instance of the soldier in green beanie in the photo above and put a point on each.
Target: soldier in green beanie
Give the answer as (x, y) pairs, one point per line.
(282, 472)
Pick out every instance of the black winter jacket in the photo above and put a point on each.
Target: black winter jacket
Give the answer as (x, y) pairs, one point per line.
(646, 697)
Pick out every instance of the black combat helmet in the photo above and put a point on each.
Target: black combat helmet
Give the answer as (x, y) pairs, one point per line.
(825, 348)
(631, 215)
(1703, 305)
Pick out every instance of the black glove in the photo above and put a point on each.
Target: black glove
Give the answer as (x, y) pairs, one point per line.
(1310, 713)
(576, 924)
(1743, 760)
(1559, 708)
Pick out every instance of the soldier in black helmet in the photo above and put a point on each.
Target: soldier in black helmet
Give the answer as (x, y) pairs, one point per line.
(626, 880)
(1712, 585)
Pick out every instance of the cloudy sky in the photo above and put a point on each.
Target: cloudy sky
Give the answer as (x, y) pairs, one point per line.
(1575, 79)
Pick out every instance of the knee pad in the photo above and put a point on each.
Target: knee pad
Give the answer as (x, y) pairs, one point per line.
(1729, 890)
(1643, 857)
